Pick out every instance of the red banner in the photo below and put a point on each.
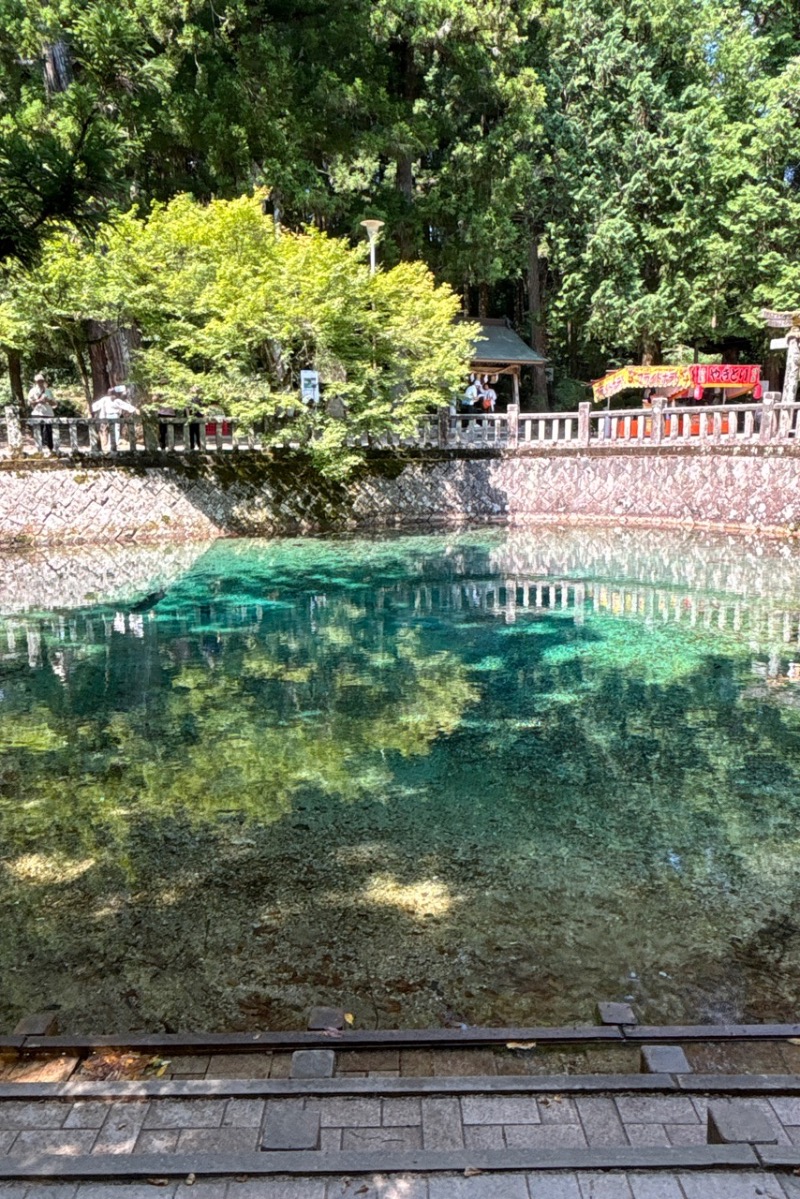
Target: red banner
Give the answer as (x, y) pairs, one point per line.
(725, 374)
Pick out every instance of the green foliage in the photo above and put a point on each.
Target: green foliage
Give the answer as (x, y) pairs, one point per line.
(648, 153)
(569, 393)
(223, 304)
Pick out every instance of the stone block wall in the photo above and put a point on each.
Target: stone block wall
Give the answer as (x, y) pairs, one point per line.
(63, 502)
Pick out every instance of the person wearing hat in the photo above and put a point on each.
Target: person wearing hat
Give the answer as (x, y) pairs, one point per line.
(41, 402)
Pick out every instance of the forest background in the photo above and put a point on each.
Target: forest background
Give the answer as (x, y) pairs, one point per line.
(619, 178)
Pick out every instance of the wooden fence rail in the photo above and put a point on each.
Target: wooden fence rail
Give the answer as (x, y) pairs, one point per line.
(766, 422)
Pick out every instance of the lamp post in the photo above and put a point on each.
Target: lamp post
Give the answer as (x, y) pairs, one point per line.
(373, 228)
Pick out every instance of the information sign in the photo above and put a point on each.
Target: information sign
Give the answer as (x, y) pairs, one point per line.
(309, 387)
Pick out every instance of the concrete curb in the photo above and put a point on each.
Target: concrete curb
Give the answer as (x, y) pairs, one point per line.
(314, 1162)
(218, 1088)
(423, 1038)
(507, 1084)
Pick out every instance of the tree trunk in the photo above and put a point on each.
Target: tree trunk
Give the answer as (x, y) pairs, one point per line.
(651, 351)
(15, 375)
(404, 181)
(538, 334)
(57, 67)
(86, 380)
(483, 299)
(405, 88)
(109, 354)
(519, 303)
(572, 350)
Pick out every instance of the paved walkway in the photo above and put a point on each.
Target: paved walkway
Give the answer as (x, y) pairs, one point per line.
(542, 1185)
(409, 1124)
(373, 1123)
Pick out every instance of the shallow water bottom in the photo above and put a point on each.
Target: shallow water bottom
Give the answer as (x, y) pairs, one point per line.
(480, 779)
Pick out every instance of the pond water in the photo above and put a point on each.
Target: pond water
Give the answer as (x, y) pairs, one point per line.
(480, 778)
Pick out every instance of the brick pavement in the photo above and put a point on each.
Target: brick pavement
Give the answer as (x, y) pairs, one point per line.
(230, 1125)
(221, 1125)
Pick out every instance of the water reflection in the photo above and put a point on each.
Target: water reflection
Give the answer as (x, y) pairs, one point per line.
(479, 778)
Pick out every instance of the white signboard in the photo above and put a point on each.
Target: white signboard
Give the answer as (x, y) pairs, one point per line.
(779, 343)
(309, 387)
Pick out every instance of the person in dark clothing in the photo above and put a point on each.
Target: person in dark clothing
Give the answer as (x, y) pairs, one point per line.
(194, 415)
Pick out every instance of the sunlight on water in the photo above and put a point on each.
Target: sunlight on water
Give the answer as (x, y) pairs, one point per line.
(485, 778)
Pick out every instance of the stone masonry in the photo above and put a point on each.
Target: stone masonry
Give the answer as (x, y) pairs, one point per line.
(58, 503)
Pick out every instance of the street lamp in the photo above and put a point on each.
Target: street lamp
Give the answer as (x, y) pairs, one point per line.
(373, 228)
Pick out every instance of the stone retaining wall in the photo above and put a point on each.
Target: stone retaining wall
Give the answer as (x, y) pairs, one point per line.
(62, 502)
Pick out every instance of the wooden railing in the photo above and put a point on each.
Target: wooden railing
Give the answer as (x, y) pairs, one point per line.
(768, 422)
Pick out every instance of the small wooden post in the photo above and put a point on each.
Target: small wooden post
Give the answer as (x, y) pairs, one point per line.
(584, 408)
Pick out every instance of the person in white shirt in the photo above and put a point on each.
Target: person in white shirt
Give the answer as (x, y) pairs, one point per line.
(108, 408)
(41, 402)
(473, 396)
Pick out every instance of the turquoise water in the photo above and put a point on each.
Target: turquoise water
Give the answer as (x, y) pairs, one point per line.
(485, 778)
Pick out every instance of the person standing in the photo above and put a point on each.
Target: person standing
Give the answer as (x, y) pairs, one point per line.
(166, 417)
(41, 403)
(107, 410)
(194, 415)
(472, 395)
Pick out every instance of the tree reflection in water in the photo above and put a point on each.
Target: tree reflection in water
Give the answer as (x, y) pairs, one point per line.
(481, 778)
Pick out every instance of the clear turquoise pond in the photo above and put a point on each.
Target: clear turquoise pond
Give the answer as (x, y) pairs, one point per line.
(480, 778)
